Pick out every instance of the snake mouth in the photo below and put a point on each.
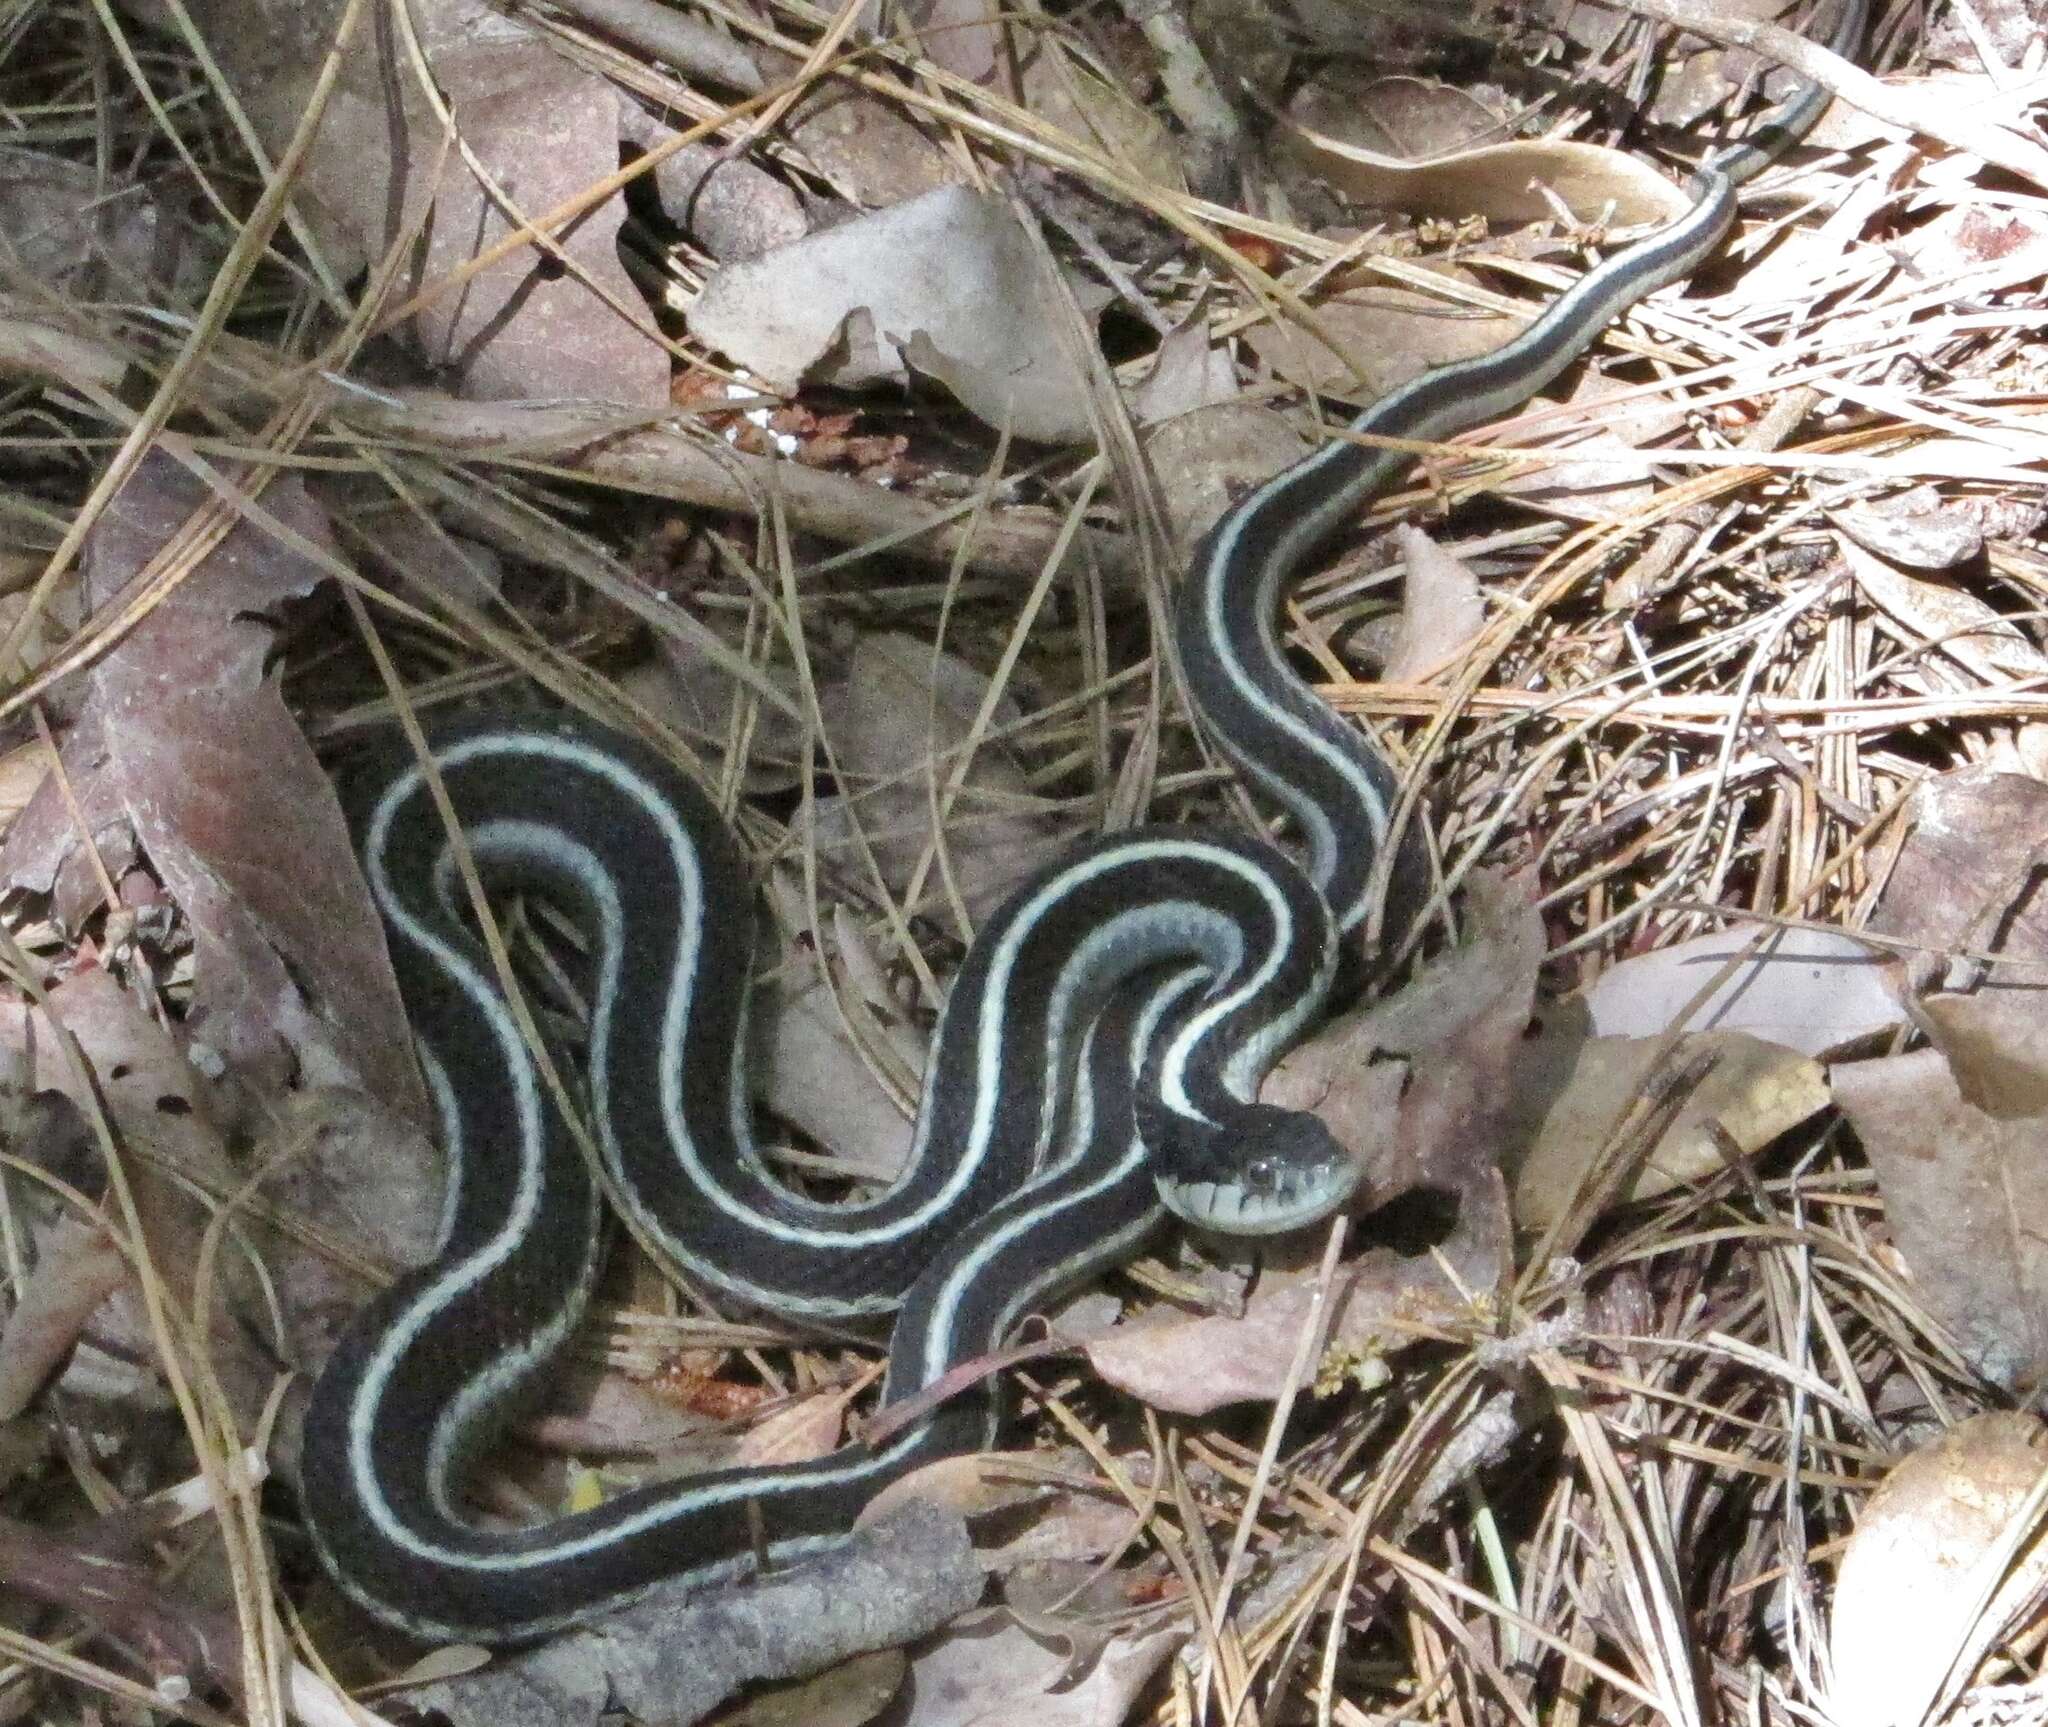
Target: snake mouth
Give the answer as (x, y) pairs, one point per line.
(1236, 1208)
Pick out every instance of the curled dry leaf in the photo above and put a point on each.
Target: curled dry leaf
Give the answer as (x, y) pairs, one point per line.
(1021, 1513)
(1432, 150)
(816, 1080)
(1920, 1579)
(1574, 1091)
(1450, 1041)
(820, 1039)
(1502, 182)
(953, 267)
(968, 1486)
(43, 854)
(1811, 990)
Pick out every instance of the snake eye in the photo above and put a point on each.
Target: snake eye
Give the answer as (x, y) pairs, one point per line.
(1262, 1174)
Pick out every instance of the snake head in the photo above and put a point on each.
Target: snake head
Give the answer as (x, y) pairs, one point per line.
(1264, 1172)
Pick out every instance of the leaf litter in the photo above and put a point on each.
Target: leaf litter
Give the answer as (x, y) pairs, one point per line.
(1726, 663)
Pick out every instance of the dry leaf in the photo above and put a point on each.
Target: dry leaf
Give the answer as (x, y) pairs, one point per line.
(77, 1267)
(689, 688)
(1206, 459)
(160, 1108)
(1446, 1047)
(1915, 529)
(1913, 1590)
(1069, 95)
(1957, 625)
(730, 205)
(1810, 990)
(988, 1671)
(1753, 1093)
(1441, 610)
(806, 1428)
(290, 979)
(1968, 878)
(1380, 337)
(1416, 1087)
(896, 725)
(89, 236)
(845, 307)
(1502, 182)
(813, 1078)
(1188, 373)
(1967, 1198)
(968, 1486)
(544, 129)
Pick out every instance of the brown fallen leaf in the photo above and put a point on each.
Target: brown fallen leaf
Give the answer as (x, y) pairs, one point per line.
(1205, 459)
(989, 1671)
(1751, 1093)
(1954, 623)
(221, 789)
(78, 1266)
(163, 1110)
(1381, 337)
(43, 854)
(1189, 372)
(805, 1428)
(952, 267)
(1441, 610)
(84, 234)
(1498, 181)
(1966, 1194)
(897, 724)
(1929, 1577)
(1967, 879)
(968, 1486)
(542, 128)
